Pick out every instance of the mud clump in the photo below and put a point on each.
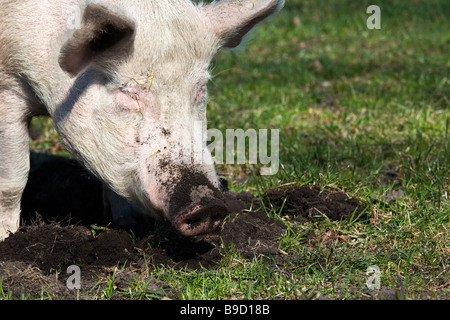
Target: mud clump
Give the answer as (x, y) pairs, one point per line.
(305, 203)
(236, 202)
(252, 233)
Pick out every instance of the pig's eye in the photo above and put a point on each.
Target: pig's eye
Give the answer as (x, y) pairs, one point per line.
(131, 93)
(129, 99)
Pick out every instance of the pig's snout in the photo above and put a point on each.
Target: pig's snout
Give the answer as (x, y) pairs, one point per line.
(200, 220)
(202, 213)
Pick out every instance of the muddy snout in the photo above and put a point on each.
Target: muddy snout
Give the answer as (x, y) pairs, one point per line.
(200, 220)
(202, 214)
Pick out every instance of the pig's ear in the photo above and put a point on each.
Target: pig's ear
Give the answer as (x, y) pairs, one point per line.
(103, 32)
(231, 20)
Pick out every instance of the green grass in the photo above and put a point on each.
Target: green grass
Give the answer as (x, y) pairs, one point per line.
(363, 111)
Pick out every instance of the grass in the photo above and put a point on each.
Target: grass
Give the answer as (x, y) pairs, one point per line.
(362, 111)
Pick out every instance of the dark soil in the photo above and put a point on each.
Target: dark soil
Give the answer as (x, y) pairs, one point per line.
(62, 201)
(304, 203)
(252, 233)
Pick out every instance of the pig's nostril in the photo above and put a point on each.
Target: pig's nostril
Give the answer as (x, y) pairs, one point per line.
(217, 218)
(194, 222)
(200, 218)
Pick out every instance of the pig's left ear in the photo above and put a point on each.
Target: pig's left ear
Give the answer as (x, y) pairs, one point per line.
(103, 32)
(231, 20)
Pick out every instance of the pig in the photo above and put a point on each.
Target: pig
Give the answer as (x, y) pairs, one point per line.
(125, 83)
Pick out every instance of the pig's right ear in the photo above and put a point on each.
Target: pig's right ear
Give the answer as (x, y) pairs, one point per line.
(231, 20)
(103, 32)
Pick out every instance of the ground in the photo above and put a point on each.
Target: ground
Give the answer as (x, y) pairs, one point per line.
(34, 260)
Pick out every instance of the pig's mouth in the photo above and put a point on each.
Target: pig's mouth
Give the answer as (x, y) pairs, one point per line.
(201, 219)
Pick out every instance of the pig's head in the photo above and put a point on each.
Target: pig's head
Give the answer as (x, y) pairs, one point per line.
(135, 113)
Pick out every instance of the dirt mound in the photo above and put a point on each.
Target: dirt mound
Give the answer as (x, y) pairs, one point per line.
(51, 247)
(253, 233)
(35, 259)
(304, 203)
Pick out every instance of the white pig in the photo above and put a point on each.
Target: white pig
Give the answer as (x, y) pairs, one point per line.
(124, 82)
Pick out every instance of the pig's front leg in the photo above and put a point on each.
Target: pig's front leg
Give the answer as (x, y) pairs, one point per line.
(14, 159)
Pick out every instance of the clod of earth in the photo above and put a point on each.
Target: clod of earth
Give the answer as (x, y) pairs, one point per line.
(253, 233)
(304, 203)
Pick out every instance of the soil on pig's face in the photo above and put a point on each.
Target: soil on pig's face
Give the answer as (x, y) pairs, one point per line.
(62, 202)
